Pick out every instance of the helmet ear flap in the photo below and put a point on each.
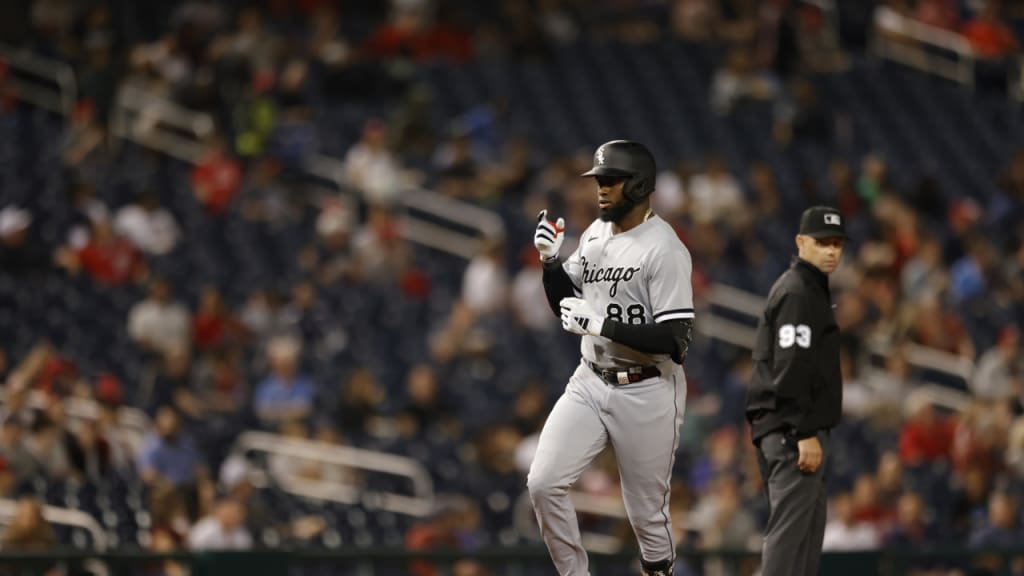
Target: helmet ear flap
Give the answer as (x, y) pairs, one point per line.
(637, 188)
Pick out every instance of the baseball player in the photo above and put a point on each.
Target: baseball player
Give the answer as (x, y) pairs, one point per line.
(626, 290)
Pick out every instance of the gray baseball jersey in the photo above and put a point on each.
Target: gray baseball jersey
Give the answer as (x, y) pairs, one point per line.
(638, 276)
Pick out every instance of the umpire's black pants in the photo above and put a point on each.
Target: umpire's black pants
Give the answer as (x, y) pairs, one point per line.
(796, 523)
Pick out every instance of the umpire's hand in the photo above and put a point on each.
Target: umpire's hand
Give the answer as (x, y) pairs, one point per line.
(810, 455)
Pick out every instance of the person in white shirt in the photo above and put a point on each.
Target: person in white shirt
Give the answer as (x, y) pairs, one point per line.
(149, 226)
(223, 529)
(843, 532)
(714, 194)
(159, 323)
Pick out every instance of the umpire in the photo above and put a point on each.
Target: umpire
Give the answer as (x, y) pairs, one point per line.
(796, 396)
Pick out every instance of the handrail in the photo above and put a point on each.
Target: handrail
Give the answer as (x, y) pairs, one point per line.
(53, 72)
(64, 516)
(739, 334)
(440, 208)
(421, 503)
(889, 23)
(160, 123)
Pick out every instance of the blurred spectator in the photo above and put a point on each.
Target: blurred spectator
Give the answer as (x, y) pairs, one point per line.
(107, 258)
(213, 326)
(159, 323)
(969, 501)
(360, 405)
(484, 283)
(86, 209)
(29, 531)
(46, 444)
(722, 519)
(90, 460)
(223, 529)
(19, 253)
(263, 315)
(454, 526)
(673, 197)
(427, 411)
(217, 178)
(938, 13)
(867, 506)
(169, 460)
(218, 383)
(531, 407)
(372, 167)
(927, 436)
(715, 195)
(844, 532)
(284, 394)
(989, 34)
(173, 375)
(1015, 448)
(1000, 528)
(910, 528)
(526, 290)
(13, 447)
(737, 80)
(163, 540)
(937, 327)
(924, 275)
(7, 480)
(149, 226)
(998, 367)
(414, 32)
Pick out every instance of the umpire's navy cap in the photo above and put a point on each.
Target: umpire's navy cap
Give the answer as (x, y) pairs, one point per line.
(822, 222)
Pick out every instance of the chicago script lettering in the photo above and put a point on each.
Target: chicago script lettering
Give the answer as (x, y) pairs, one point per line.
(593, 275)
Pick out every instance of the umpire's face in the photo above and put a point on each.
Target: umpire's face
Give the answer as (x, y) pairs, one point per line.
(823, 253)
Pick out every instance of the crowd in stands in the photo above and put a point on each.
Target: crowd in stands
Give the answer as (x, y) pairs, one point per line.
(233, 295)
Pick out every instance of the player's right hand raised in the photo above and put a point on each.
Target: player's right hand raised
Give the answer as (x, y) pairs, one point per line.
(549, 236)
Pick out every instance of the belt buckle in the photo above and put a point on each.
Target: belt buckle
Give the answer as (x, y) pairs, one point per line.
(624, 377)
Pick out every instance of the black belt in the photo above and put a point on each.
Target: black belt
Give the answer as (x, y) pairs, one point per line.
(624, 375)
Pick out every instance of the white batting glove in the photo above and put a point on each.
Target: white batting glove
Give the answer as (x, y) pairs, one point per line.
(579, 317)
(549, 236)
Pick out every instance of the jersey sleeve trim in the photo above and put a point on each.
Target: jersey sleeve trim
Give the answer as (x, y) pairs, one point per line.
(675, 314)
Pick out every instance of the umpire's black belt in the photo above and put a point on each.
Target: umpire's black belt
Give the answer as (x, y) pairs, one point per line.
(625, 374)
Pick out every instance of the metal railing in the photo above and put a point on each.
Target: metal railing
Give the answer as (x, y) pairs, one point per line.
(160, 123)
(345, 491)
(750, 305)
(43, 82)
(929, 48)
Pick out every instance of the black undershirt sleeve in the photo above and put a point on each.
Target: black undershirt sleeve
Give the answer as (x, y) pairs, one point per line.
(672, 337)
(557, 285)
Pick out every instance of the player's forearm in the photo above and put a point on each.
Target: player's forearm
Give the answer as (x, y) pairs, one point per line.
(557, 285)
(672, 337)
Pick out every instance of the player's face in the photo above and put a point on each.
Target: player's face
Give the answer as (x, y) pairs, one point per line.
(823, 253)
(611, 204)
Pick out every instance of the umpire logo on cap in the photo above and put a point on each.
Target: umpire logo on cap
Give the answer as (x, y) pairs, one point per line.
(832, 219)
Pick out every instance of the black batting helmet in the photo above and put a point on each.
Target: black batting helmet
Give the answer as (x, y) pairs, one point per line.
(629, 160)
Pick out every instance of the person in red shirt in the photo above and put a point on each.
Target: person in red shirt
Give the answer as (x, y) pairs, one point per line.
(217, 178)
(212, 324)
(989, 36)
(108, 258)
(926, 437)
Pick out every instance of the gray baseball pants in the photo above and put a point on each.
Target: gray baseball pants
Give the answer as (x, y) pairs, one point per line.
(642, 421)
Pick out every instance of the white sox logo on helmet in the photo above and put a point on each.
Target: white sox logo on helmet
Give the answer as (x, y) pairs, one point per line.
(600, 155)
